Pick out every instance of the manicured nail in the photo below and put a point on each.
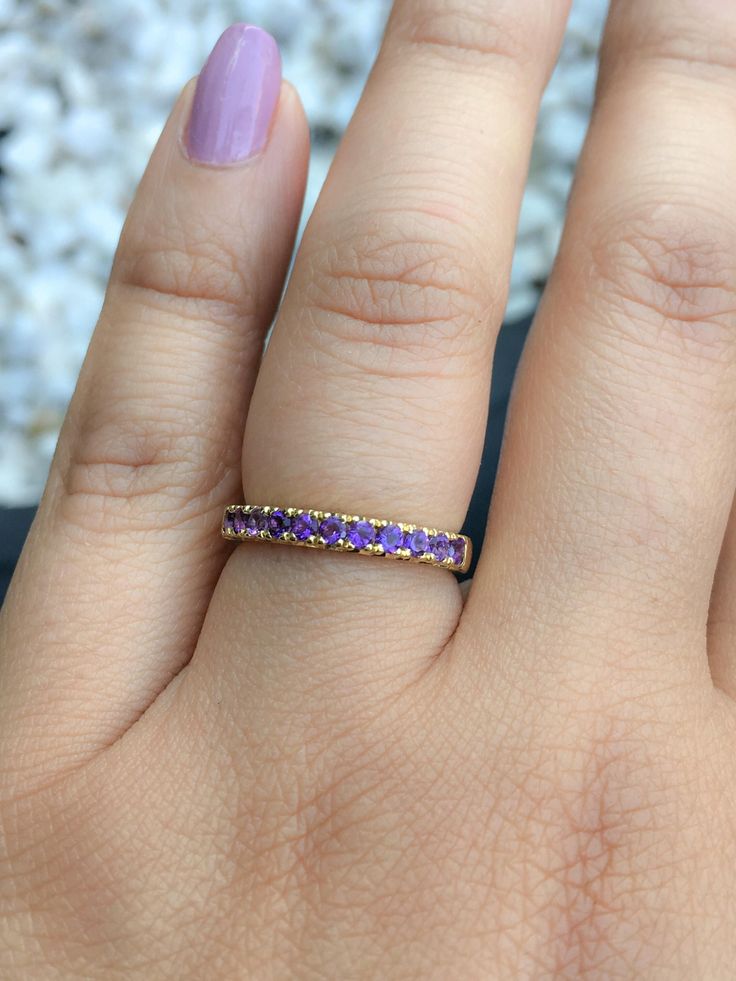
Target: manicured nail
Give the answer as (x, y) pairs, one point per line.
(235, 97)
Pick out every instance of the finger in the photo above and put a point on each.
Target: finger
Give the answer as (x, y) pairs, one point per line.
(618, 470)
(373, 392)
(386, 335)
(116, 577)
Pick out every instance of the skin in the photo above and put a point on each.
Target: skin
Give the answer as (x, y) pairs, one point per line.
(272, 762)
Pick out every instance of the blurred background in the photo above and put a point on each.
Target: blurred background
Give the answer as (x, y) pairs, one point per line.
(85, 86)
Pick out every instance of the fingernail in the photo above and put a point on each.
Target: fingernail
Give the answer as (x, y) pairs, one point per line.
(235, 97)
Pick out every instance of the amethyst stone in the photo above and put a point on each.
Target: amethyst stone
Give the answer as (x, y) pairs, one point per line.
(457, 551)
(251, 522)
(238, 522)
(227, 522)
(304, 526)
(417, 542)
(278, 523)
(391, 538)
(361, 534)
(261, 521)
(439, 546)
(332, 529)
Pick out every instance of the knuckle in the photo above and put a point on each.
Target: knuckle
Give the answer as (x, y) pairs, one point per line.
(398, 299)
(690, 44)
(669, 273)
(459, 30)
(196, 277)
(129, 469)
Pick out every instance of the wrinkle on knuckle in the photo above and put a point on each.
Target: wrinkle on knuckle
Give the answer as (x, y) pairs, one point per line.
(198, 279)
(475, 32)
(667, 277)
(131, 472)
(398, 302)
(680, 43)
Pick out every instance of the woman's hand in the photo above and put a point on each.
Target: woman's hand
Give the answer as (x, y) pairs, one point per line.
(275, 762)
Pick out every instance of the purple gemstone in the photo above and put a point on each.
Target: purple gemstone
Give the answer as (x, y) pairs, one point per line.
(457, 551)
(391, 538)
(332, 530)
(439, 546)
(278, 523)
(238, 521)
(251, 522)
(361, 534)
(417, 542)
(304, 526)
(227, 522)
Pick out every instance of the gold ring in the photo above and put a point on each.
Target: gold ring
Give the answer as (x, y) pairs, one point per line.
(337, 532)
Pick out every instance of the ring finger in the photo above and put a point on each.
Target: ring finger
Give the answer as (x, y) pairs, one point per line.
(372, 396)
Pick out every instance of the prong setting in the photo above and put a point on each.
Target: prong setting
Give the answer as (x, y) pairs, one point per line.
(334, 531)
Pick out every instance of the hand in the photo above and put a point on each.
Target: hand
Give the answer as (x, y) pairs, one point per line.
(277, 762)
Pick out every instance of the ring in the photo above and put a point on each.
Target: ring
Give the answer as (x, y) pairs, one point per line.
(337, 532)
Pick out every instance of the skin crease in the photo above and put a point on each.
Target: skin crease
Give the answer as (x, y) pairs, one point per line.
(273, 763)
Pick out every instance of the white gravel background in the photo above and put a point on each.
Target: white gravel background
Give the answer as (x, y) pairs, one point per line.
(84, 90)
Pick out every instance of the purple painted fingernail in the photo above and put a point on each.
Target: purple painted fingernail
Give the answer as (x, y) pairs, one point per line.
(235, 98)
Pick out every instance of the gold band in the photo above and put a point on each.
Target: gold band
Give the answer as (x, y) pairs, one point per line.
(336, 532)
